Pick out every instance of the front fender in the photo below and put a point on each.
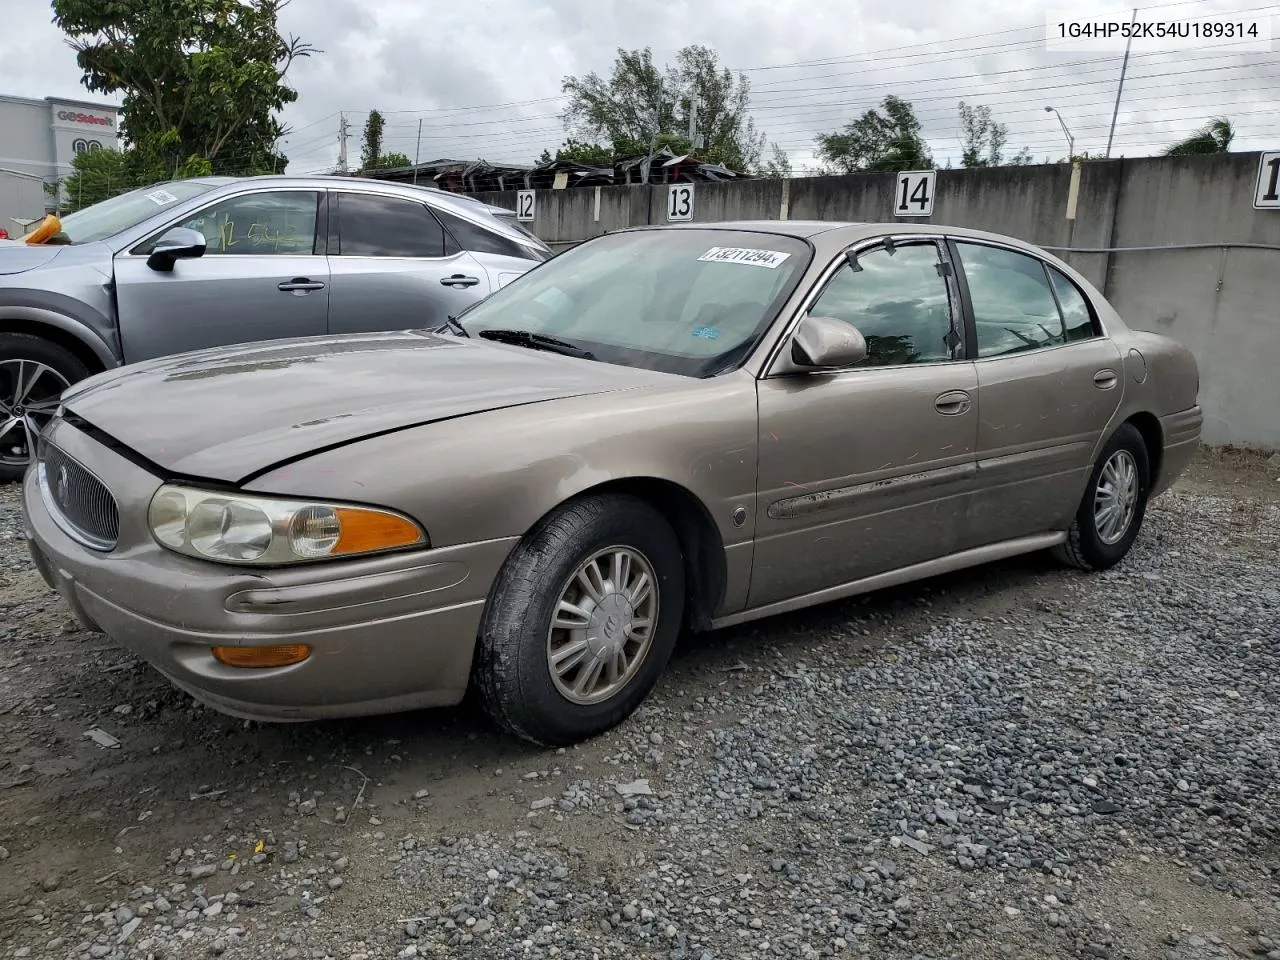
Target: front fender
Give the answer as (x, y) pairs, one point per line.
(493, 475)
(19, 314)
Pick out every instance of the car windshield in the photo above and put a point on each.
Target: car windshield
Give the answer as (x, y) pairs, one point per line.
(686, 301)
(106, 219)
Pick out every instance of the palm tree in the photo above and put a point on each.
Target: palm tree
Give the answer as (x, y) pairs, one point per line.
(1214, 137)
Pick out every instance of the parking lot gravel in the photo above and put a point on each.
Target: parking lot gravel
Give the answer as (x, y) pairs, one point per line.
(1016, 761)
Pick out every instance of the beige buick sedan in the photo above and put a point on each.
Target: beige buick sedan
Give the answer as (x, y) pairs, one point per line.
(662, 429)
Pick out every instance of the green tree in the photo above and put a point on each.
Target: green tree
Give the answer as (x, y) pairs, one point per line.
(982, 138)
(578, 151)
(778, 166)
(371, 147)
(200, 79)
(877, 141)
(1022, 158)
(95, 176)
(639, 97)
(389, 161)
(1214, 137)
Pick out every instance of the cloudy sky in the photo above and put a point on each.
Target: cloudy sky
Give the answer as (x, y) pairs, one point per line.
(484, 76)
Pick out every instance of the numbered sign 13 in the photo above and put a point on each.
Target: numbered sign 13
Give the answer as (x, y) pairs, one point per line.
(1267, 194)
(680, 201)
(913, 196)
(525, 204)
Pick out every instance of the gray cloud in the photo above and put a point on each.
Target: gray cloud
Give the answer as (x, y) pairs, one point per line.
(508, 57)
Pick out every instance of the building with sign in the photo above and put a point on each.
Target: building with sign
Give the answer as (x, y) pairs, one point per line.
(38, 140)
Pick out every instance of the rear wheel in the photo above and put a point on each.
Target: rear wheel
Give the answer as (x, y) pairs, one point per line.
(1114, 505)
(581, 621)
(33, 374)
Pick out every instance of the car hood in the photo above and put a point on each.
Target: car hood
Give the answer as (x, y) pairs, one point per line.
(227, 414)
(18, 256)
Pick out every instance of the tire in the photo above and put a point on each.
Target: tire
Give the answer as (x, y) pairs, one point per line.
(61, 368)
(1086, 547)
(513, 675)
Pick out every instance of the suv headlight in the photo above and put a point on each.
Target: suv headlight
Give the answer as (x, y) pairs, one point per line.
(249, 529)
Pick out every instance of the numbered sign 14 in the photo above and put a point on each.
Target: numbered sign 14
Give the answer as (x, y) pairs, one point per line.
(525, 202)
(914, 194)
(680, 201)
(1267, 194)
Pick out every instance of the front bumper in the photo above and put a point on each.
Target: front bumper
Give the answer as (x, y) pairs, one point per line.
(387, 633)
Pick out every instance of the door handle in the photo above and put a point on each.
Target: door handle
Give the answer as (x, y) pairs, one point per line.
(1105, 379)
(952, 403)
(459, 280)
(300, 284)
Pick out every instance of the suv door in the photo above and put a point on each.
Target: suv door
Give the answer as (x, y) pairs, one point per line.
(1048, 384)
(502, 258)
(395, 267)
(870, 468)
(263, 276)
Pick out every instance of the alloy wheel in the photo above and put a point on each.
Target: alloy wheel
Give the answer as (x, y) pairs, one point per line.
(29, 395)
(1115, 500)
(603, 626)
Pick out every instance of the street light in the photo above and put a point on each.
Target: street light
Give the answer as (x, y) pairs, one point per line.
(1071, 143)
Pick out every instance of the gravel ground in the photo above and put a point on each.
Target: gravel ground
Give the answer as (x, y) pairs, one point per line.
(1015, 761)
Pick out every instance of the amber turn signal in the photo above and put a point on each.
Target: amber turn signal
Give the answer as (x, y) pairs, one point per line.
(367, 530)
(278, 655)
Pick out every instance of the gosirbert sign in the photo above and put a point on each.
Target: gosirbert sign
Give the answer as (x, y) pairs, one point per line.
(76, 116)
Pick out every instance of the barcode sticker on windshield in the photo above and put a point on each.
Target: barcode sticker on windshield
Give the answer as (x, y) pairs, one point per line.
(757, 258)
(161, 197)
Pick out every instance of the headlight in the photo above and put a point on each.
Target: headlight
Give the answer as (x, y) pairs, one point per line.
(235, 528)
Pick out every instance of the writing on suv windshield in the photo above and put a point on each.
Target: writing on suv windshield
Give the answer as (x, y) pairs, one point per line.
(692, 302)
(103, 220)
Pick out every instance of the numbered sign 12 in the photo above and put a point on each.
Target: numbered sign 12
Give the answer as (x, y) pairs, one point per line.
(680, 201)
(1267, 194)
(913, 196)
(525, 204)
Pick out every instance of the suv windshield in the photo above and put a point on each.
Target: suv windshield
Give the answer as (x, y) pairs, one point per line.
(106, 219)
(686, 301)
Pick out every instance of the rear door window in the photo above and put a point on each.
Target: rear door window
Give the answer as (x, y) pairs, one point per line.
(377, 226)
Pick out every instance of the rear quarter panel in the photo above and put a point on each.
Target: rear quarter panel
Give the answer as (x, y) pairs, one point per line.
(1161, 390)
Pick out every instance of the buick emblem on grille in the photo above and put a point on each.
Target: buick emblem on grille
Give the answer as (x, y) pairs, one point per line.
(60, 486)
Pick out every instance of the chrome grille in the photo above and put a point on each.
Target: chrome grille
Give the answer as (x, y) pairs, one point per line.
(78, 500)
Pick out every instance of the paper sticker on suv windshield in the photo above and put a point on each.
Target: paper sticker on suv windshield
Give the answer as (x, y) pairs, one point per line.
(161, 197)
(706, 333)
(757, 258)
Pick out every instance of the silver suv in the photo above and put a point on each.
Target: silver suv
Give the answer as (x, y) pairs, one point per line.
(216, 260)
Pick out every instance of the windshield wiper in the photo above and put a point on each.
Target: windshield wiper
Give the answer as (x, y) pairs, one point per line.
(452, 323)
(537, 341)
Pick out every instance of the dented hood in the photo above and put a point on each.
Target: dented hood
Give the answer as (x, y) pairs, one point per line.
(229, 413)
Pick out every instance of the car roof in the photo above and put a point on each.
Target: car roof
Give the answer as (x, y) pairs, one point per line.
(433, 195)
(837, 234)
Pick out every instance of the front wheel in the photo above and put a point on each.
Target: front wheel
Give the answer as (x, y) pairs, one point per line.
(1114, 505)
(581, 621)
(33, 374)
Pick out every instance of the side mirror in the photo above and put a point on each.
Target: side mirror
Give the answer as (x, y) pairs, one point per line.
(824, 343)
(180, 243)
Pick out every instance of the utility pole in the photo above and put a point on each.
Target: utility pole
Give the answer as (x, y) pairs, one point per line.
(694, 104)
(417, 151)
(653, 141)
(1120, 88)
(342, 142)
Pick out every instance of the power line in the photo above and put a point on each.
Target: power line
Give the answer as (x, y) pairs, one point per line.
(869, 56)
(836, 112)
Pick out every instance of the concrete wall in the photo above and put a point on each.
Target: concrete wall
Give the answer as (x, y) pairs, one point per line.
(1223, 302)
